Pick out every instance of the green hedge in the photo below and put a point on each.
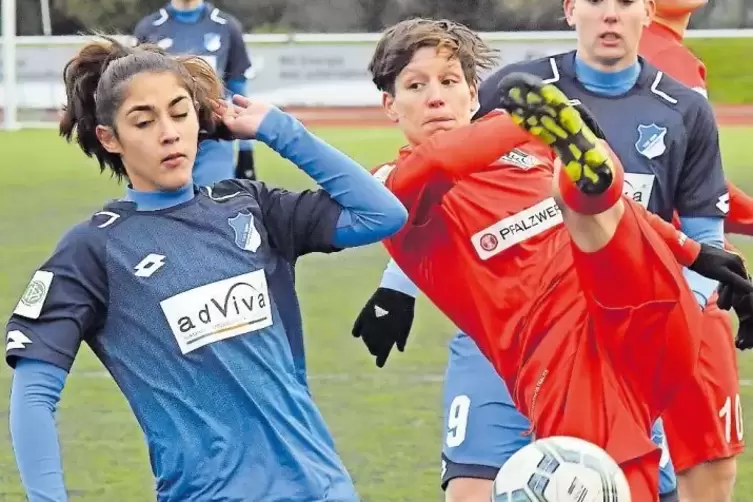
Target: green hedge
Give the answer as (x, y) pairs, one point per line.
(730, 68)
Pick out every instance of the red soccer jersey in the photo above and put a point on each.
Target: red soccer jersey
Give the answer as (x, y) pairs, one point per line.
(485, 241)
(664, 49)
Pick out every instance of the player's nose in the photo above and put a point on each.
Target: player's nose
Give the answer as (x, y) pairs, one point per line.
(610, 9)
(434, 95)
(169, 133)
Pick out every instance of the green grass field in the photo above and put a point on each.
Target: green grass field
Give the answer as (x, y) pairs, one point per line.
(387, 422)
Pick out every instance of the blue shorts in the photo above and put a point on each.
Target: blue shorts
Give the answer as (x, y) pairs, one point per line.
(214, 162)
(483, 429)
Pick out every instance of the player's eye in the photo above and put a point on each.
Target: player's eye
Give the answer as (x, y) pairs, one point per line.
(141, 124)
(449, 82)
(180, 116)
(414, 86)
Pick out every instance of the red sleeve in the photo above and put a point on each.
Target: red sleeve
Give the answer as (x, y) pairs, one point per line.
(683, 248)
(740, 217)
(681, 64)
(422, 177)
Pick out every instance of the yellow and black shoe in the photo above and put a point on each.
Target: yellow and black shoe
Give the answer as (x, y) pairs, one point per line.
(544, 111)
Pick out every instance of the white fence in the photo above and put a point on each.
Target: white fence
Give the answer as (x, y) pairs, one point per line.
(296, 69)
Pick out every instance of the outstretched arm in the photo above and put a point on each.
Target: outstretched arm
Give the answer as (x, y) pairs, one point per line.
(33, 401)
(707, 260)
(422, 177)
(368, 212)
(685, 250)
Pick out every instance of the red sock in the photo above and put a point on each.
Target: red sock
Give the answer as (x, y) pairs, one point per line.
(583, 203)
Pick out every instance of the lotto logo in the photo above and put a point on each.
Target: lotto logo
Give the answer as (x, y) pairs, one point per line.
(723, 203)
(149, 265)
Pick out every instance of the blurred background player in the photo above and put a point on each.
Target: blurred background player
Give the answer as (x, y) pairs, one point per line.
(705, 471)
(471, 243)
(606, 74)
(185, 294)
(199, 28)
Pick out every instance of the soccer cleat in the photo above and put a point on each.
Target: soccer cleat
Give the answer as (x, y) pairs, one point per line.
(544, 111)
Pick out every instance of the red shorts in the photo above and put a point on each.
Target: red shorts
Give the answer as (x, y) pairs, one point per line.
(620, 367)
(711, 398)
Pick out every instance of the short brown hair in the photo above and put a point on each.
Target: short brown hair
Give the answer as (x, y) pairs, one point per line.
(94, 89)
(401, 41)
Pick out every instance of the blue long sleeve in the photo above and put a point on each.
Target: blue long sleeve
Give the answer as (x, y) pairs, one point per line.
(34, 397)
(370, 211)
(394, 278)
(706, 230)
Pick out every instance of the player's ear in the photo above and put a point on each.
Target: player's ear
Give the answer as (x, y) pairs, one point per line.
(388, 103)
(568, 6)
(650, 11)
(474, 99)
(108, 139)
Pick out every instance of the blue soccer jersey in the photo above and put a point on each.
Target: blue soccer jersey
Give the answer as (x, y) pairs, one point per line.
(669, 149)
(212, 361)
(214, 35)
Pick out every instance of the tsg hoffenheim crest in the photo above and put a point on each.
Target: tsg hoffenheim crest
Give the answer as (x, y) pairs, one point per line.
(212, 42)
(246, 235)
(650, 142)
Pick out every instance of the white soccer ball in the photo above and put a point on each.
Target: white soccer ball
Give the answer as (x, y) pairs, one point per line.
(560, 469)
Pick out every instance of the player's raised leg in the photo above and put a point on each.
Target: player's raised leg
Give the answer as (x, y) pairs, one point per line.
(645, 306)
(483, 429)
(610, 236)
(590, 178)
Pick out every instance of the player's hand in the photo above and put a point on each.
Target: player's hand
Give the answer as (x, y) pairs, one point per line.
(244, 167)
(743, 305)
(242, 116)
(726, 268)
(384, 321)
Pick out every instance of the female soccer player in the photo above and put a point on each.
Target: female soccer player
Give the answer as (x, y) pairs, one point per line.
(521, 271)
(668, 141)
(187, 296)
(703, 450)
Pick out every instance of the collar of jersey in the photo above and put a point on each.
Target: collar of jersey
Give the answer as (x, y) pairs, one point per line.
(192, 16)
(666, 31)
(609, 83)
(645, 77)
(157, 200)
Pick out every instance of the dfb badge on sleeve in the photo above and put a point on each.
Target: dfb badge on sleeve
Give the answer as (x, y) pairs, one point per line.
(32, 301)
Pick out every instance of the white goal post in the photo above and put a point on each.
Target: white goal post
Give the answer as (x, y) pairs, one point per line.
(9, 94)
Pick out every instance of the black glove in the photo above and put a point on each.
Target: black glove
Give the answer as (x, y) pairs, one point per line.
(743, 305)
(385, 320)
(244, 167)
(727, 268)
